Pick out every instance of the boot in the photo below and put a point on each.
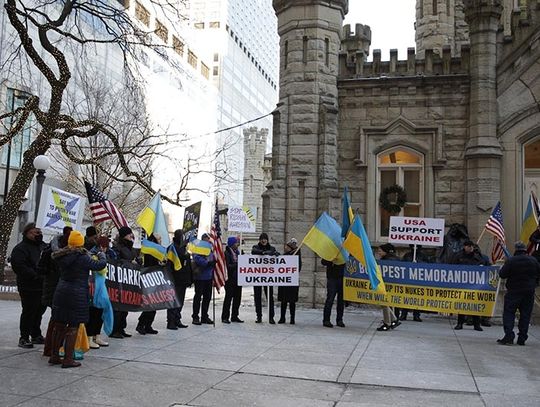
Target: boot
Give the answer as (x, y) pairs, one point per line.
(283, 310)
(69, 349)
(47, 349)
(58, 333)
(92, 344)
(100, 342)
(293, 312)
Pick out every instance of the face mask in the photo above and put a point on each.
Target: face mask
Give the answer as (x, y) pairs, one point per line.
(38, 238)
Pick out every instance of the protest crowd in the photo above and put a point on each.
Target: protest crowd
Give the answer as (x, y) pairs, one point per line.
(85, 282)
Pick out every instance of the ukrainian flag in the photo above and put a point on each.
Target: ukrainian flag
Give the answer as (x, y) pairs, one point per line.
(153, 249)
(152, 220)
(357, 243)
(197, 246)
(324, 238)
(172, 255)
(530, 220)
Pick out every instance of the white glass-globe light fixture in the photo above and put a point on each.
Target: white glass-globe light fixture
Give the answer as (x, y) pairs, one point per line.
(42, 162)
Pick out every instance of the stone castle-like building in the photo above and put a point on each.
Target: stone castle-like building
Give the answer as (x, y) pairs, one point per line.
(456, 122)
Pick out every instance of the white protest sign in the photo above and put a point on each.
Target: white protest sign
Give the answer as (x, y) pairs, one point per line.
(242, 219)
(58, 208)
(255, 270)
(419, 231)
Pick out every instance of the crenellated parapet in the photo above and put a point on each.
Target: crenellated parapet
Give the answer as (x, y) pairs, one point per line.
(522, 29)
(357, 42)
(430, 64)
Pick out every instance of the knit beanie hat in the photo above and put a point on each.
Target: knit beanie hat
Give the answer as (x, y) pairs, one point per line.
(388, 248)
(263, 236)
(520, 247)
(231, 241)
(91, 231)
(124, 231)
(76, 239)
(292, 243)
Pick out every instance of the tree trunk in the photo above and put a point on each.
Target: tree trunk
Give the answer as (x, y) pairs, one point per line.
(15, 196)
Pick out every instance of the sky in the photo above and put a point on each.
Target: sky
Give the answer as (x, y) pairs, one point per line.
(391, 23)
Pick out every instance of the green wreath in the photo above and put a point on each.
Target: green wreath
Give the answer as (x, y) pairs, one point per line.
(384, 201)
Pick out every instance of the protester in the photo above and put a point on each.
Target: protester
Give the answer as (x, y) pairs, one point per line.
(51, 275)
(182, 280)
(522, 273)
(289, 294)
(401, 313)
(334, 286)
(95, 314)
(264, 248)
(146, 319)
(535, 240)
(484, 321)
(468, 256)
(387, 251)
(90, 240)
(24, 260)
(123, 247)
(203, 285)
(233, 292)
(70, 303)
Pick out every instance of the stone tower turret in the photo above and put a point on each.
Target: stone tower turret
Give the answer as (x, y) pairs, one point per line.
(483, 152)
(304, 154)
(439, 23)
(254, 185)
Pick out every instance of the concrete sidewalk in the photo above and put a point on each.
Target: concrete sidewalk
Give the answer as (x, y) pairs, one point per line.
(298, 365)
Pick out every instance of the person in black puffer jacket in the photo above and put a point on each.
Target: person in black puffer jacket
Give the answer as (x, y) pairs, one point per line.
(71, 298)
(182, 280)
(264, 248)
(522, 273)
(24, 260)
(233, 292)
(51, 275)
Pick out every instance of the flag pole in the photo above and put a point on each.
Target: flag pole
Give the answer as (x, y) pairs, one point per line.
(213, 304)
(481, 235)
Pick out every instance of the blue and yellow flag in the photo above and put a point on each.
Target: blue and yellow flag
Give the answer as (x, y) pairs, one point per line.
(324, 238)
(357, 243)
(153, 249)
(197, 246)
(152, 220)
(347, 214)
(530, 221)
(172, 255)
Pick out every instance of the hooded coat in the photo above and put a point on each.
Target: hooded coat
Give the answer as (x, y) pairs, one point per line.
(71, 298)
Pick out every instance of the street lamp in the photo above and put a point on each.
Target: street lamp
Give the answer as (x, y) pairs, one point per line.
(21, 96)
(41, 164)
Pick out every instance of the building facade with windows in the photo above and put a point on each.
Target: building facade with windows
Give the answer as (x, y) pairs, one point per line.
(241, 40)
(454, 122)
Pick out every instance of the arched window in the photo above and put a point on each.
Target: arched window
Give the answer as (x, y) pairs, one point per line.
(531, 170)
(405, 167)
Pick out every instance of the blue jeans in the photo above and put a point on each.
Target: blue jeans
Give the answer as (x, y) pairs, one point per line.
(334, 286)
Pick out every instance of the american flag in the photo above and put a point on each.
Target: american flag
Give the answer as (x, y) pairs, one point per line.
(220, 271)
(495, 226)
(102, 209)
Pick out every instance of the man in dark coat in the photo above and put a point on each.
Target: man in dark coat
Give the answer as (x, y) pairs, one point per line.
(90, 240)
(124, 250)
(468, 256)
(182, 280)
(24, 261)
(522, 273)
(48, 268)
(264, 248)
(334, 286)
(233, 292)
(203, 286)
(289, 294)
(146, 319)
